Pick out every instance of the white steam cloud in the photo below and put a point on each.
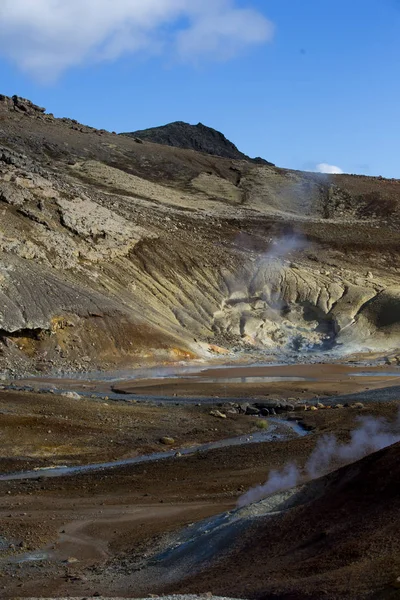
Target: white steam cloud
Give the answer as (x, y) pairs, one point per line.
(328, 169)
(281, 247)
(46, 37)
(371, 435)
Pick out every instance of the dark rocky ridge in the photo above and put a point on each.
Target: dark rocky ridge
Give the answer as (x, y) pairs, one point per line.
(22, 105)
(194, 137)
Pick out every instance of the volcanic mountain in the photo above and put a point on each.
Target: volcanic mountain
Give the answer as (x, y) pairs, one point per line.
(114, 252)
(194, 137)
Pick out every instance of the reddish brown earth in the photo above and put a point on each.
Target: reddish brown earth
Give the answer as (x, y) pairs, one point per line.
(121, 513)
(40, 430)
(319, 380)
(343, 544)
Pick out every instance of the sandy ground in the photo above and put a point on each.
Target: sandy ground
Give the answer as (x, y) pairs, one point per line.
(173, 597)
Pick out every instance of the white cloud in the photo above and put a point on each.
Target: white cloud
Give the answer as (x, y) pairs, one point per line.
(46, 37)
(329, 169)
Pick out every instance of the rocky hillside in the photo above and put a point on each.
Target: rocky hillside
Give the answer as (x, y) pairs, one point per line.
(338, 533)
(114, 252)
(194, 137)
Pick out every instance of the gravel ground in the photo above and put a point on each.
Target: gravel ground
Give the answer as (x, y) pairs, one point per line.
(173, 597)
(383, 394)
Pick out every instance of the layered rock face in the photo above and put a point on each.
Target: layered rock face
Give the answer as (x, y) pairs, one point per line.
(114, 253)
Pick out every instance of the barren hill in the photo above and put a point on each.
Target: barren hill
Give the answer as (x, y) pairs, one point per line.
(340, 540)
(114, 252)
(194, 137)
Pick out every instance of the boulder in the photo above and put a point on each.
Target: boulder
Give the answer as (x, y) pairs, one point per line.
(267, 403)
(218, 414)
(167, 441)
(12, 194)
(71, 395)
(252, 411)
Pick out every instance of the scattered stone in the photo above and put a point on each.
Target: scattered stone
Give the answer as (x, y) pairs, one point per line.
(252, 411)
(390, 360)
(358, 405)
(70, 395)
(268, 404)
(167, 441)
(218, 414)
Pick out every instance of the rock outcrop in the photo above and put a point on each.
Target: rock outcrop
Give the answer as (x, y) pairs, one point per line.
(21, 105)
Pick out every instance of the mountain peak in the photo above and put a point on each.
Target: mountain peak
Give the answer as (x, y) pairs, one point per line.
(198, 137)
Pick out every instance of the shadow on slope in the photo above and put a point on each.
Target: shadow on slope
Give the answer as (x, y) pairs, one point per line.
(338, 538)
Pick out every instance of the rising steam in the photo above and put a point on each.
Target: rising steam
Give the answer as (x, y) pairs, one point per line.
(372, 435)
(281, 247)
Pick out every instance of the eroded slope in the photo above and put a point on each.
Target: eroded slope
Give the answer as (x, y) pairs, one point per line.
(114, 252)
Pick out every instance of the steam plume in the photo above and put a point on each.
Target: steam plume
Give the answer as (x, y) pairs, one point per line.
(372, 435)
(283, 246)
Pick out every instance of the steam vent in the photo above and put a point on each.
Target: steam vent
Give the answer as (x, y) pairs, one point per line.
(140, 251)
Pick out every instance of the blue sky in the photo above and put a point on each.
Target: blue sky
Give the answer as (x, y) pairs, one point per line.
(299, 82)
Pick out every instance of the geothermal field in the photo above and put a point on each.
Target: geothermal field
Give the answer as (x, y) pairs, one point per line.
(199, 369)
